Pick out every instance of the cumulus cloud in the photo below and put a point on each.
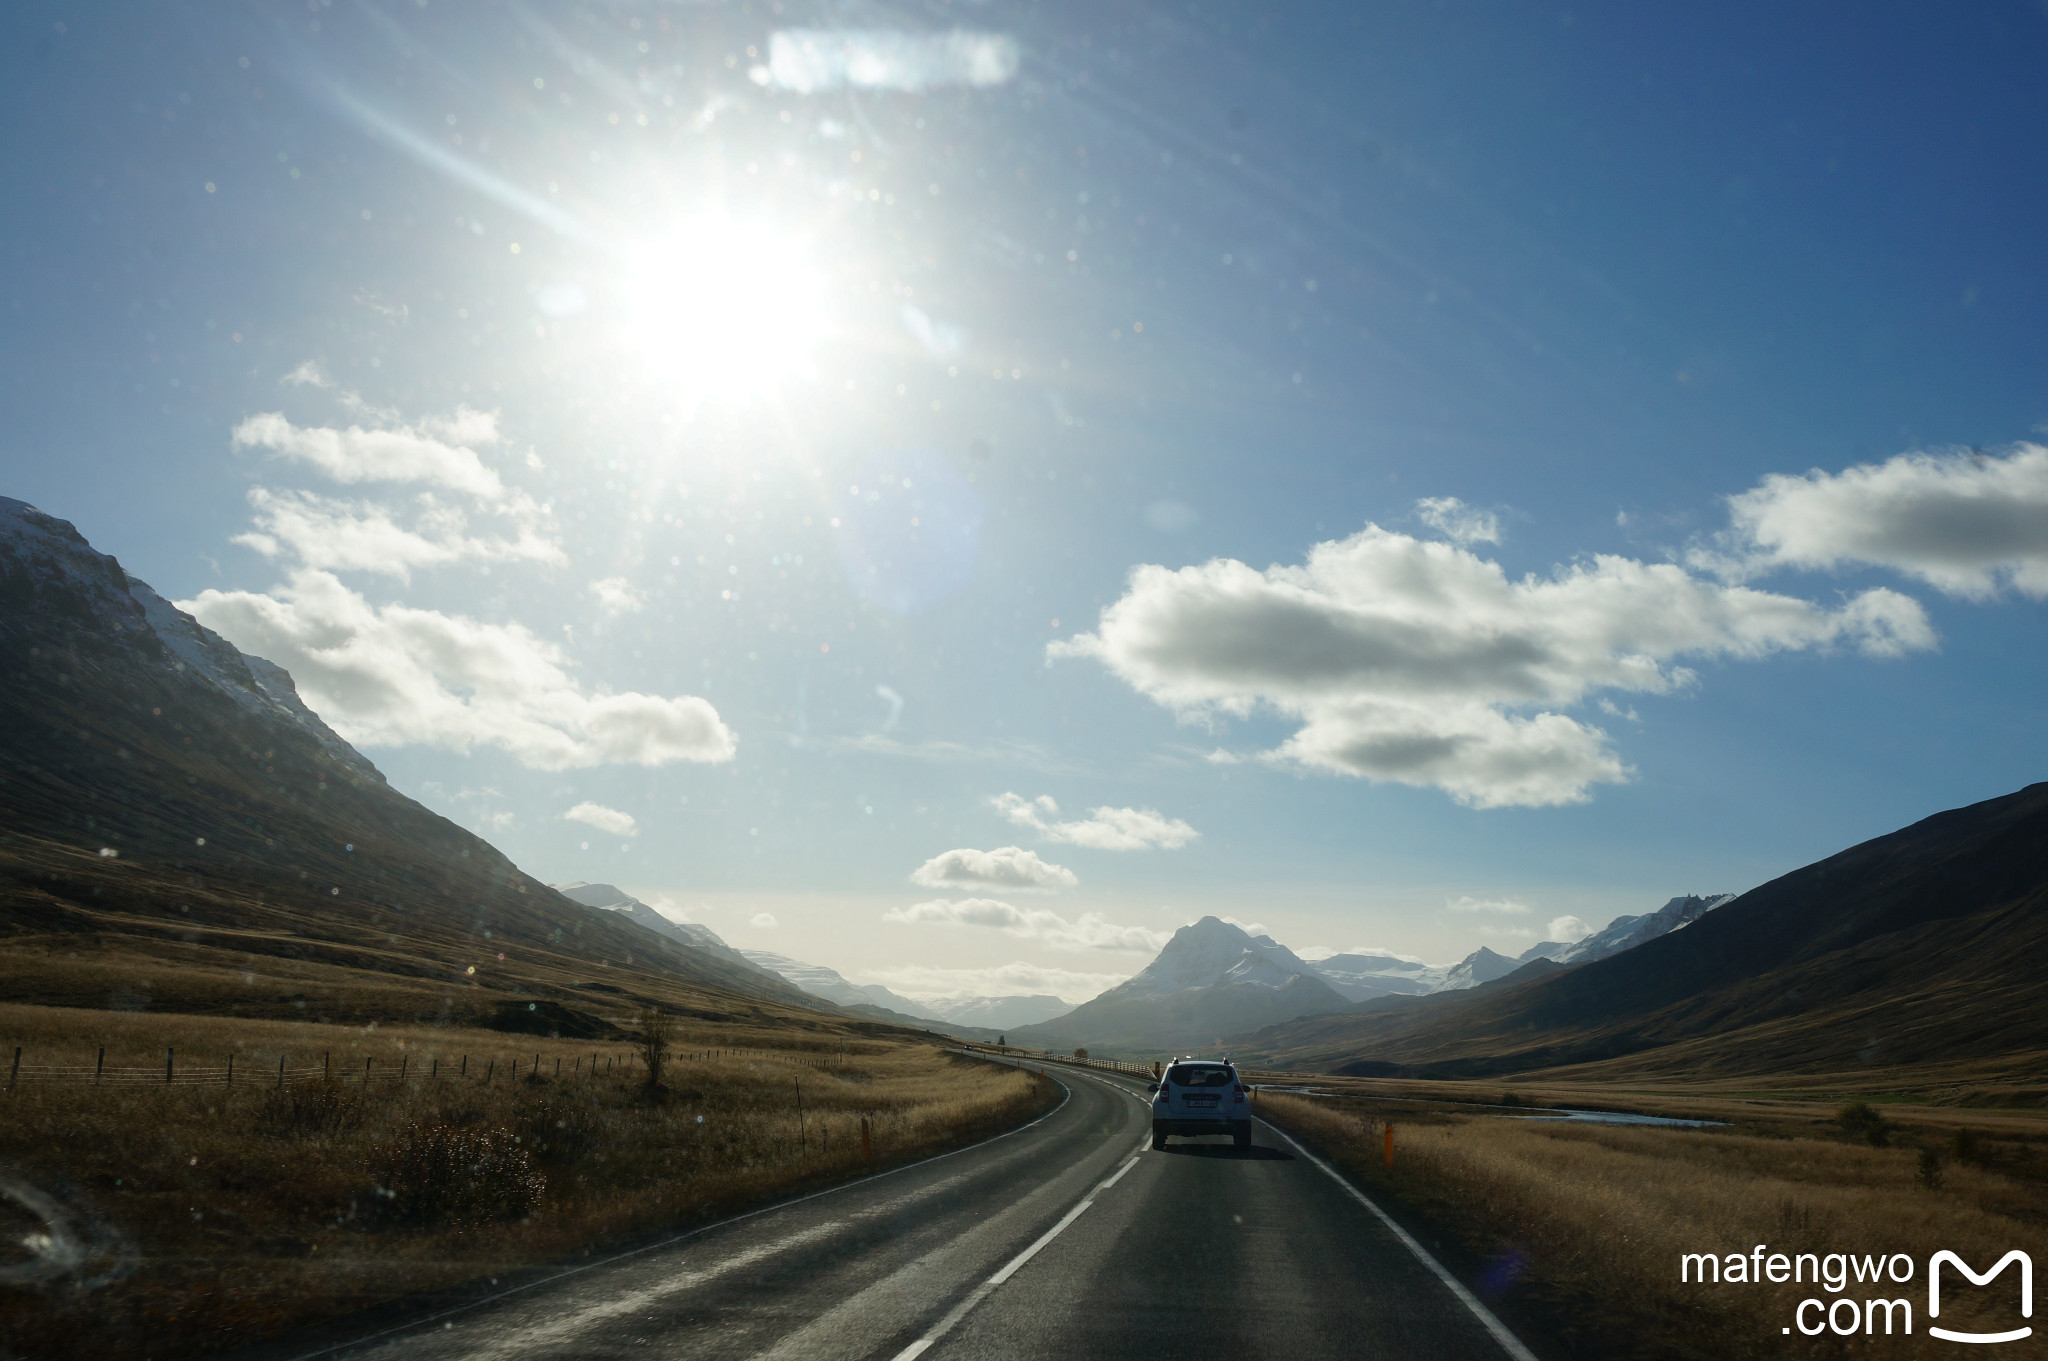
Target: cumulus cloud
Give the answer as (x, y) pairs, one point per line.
(1415, 662)
(1006, 867)
(360, 536)
(808, 60)
(765, 920)
(1091, 931)
(603, 818)
(1499, 905)
(1458, 522)
(436, 452)
(616, 596)
(1004, 980)
(393, 675)
(1104, 829)
(1567, 929)
(1969, 524)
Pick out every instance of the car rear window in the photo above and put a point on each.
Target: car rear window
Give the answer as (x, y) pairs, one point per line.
(1189, 1075)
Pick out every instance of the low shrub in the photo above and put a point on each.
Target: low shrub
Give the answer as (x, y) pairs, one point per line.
(439, 1174)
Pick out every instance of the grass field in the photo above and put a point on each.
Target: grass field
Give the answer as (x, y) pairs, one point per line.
(1582, 1227)
(210, 1216)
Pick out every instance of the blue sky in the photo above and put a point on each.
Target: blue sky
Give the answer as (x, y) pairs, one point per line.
(1398, 475)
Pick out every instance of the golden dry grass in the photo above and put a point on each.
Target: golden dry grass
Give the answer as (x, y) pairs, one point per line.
(223, 1220)
(1597, 1217)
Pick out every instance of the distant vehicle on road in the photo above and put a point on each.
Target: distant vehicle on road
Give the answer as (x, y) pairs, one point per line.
(1200, 1096)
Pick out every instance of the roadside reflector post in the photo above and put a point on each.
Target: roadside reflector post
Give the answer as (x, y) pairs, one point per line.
(366, 1072)
(867, 1141)
(99, 1065)
(465, 1067)
(326, 1066)
(1390, 1144)
(434, 1069)
(280, 1072)
(403, 1065)
(490, 1070)
(15, 1071)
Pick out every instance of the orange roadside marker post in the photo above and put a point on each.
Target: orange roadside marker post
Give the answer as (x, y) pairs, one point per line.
(1390, 1144)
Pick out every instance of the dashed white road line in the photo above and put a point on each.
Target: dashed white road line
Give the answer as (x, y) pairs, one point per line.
(1011, 1267)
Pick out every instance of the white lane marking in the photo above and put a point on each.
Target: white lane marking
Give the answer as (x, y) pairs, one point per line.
(1066, 1095)
(1010, 1268)
(1509, 1343)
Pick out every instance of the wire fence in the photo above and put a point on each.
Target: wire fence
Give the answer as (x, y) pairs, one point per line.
(175, 1072)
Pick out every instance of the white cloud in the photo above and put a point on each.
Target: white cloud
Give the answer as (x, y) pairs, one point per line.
(807, 60)
(616, 596)
(1567, 929)
(765, 920)
(1006, 980)
(603, 818)
(1006, 867)
(361, 536)
(393, 675)
(435, 452)
(1091, 931)
(1249, 928)
(1499, 905)
(1409, 661)
(942, 340)
(1968, 524)
(1104, 829)
(1458, 522)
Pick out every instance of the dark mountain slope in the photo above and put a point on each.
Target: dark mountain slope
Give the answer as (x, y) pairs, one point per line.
(173, 820)
(1922, 946)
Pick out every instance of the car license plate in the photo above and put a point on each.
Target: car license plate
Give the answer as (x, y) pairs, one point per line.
(1201, 1100)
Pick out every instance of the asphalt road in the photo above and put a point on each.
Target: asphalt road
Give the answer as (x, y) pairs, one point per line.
(1067, 1239)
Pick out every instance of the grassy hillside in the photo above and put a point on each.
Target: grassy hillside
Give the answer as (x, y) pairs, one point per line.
(1922, 947)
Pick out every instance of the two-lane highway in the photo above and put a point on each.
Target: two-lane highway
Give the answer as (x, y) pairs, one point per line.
(1066, 1239)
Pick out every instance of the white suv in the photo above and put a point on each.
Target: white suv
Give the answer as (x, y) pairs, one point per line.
(1200, 1096)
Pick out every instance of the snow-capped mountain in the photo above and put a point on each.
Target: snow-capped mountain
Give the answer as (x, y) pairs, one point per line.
(1627, 932)
(1211, 980)
(1358, 977)
(1481, 966)
(1000, 1013)
(611, 898)
(833, 986)
(47, 562)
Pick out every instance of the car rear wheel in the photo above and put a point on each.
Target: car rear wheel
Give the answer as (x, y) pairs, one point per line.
(1158, 1137)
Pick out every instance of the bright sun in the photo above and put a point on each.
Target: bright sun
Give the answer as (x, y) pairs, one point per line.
(722, 308)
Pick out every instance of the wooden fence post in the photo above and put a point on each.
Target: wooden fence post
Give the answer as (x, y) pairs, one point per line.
(867, 1141)
(99, 1065)
(465, 1067)
(280, 1072)
(366, 1072)
(490, 1070)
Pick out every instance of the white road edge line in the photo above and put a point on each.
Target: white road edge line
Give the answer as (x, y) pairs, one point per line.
(469, 1305)
(1509, 1343)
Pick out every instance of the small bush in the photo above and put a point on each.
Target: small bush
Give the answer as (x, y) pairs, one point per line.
(1861, 1120)
(1929, 1172)
(323, 1107)
(435, 1173)
(1509, 1099)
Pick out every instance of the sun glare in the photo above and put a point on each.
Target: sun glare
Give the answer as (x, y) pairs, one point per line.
(722, 308)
